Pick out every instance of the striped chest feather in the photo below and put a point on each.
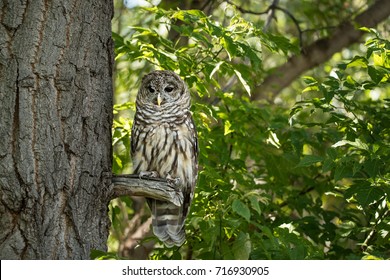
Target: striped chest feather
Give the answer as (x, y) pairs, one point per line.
(166, 149)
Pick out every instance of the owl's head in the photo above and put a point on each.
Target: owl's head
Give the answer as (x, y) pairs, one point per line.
(162, 88)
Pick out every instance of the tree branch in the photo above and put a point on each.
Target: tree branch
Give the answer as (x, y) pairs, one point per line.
(245, 11)
(321, 50)
(271, 14)
(157, 188)
(296, 23)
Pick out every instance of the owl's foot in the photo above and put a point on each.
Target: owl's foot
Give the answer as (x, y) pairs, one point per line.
(148, 174)
(173, 180)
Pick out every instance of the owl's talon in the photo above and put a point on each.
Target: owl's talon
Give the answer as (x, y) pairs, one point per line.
(148, 174)
(173, 180)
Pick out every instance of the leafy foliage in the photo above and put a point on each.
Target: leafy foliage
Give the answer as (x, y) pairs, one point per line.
(276, 182)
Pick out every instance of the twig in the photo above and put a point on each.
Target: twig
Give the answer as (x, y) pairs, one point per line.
(157, 188)
(245, 11)
(271, 14)
(296, 22)
(371, 234)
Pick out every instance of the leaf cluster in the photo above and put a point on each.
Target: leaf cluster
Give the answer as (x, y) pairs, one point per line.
(308, 182)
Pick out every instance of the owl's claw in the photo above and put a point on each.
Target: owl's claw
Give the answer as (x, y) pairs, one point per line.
(173, 180)
(148, 174)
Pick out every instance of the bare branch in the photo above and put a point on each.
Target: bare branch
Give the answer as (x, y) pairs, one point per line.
(270, 11)
(245, 11)
(157, 188)
(296, 22)
(271, 15)
(321, 50)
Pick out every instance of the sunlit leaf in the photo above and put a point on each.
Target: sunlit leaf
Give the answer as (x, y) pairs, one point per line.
(243, 82)
(358, 61)
(357, 144)
(273, 139)
(228, 126)
(216, 68)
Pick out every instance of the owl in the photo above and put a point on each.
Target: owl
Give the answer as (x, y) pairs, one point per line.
(164, 144)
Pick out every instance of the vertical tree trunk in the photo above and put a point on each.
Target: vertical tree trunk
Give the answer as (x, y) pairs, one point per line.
(55, 127)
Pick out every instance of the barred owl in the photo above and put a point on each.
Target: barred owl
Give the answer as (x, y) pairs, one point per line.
(164, 143)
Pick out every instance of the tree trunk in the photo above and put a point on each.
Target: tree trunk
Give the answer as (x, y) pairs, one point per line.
(56, 111)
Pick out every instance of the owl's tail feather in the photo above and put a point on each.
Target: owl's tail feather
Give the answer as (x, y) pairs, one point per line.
(168, 222)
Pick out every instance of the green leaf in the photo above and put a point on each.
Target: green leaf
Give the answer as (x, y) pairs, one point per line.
(379, 59)
(241, 209)
(216, 68)
(243, 82)
(350, 82)
(188, 16)
(328, 165)
(229, 46)
(365, 194)
(273, 139)
(311, 88)
(309, 160)
(372, 167)
(332, 153)
(176, 255)
(255, 203)
(309, 80)
(342, 171)
(227, 128)
(279, 43)
(226, 251)
(242, 246)
(252, 54)
(118, 40)
(358, 61)
(101, 255)
(357, 144)
(375, 74)
(117, 164)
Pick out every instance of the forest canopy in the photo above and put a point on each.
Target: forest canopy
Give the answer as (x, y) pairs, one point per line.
(293, 126)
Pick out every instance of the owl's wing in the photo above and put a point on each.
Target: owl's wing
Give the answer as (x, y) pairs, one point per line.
(134, 136)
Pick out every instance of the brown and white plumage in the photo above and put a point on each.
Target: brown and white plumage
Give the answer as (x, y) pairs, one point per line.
(164, 140)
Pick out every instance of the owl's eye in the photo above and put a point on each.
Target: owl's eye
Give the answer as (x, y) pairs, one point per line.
(168, 89)
(151, 89)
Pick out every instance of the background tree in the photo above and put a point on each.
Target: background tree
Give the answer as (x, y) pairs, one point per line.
(292, 167)
(56, 114)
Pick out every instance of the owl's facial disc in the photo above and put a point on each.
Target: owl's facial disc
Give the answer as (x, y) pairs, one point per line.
(162, 92)
(162, 89)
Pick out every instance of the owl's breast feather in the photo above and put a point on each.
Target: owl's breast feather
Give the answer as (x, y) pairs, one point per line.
(167, 150)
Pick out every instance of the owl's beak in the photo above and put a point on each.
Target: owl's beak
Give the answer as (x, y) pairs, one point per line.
(159, 99)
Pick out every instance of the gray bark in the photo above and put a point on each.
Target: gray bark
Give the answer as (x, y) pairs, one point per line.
(56, 113)
(157, 188)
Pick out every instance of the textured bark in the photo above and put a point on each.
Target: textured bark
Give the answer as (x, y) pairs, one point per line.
(156, 188)
(321, 50)
(55, 126)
